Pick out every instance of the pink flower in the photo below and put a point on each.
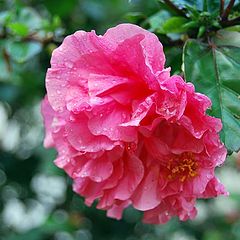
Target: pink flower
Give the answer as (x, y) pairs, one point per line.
(125, 130)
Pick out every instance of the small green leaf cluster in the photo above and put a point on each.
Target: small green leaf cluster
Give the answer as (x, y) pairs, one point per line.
(205, 34)
(24, 33)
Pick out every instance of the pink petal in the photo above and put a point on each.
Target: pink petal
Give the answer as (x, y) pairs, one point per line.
(107, 121)
(97, 170)
(146, 195)
(116, 210)
(133, 174)
(48, 115)
(150, 44)
(82, 139)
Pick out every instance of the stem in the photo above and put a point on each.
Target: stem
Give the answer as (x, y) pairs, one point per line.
(33, 37)
(175, 8)
(231, 22)
(43, 41)
(227, 10)
(221, 7)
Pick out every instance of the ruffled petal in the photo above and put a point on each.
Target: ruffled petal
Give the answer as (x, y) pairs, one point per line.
(48, 115)
(147, 195)
(80, 137)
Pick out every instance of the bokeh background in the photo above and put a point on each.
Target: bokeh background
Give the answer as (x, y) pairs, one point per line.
(36, 198)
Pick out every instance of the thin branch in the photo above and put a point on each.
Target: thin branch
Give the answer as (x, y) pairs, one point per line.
(33, 37)
(231, 22)
(225, 14)
(171, 5)
(43, 41)
(221, 7)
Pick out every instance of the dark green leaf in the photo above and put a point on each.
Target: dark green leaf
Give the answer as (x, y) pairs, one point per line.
(214, 70)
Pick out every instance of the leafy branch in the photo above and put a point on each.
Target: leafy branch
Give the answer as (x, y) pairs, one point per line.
(226, 13)
(172, 6)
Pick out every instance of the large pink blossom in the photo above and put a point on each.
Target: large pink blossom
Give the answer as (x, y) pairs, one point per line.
(126, 131)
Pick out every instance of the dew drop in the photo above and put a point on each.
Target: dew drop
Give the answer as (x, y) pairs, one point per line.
(72, 118)
(60, 109)
(98, 179)
(69, 64)
(84, 174)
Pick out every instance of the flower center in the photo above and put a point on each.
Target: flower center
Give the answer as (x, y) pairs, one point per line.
(183, 167)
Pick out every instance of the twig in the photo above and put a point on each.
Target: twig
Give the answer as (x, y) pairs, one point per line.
(33, 37)
(175, 8)
(7, 60)
(221, 7)
(225, 14)
(231, 22)
(43, 41)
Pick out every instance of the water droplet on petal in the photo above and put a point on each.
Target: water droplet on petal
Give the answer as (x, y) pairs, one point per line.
(69, 64)
(97, 179)
(84, 174)
(72, 118)
(60, 109)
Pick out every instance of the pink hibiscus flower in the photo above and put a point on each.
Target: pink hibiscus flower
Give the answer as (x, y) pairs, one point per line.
(125, 130)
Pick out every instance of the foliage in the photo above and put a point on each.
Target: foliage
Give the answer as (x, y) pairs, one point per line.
(201, 41)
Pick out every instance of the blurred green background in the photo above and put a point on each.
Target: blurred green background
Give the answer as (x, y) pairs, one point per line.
(36, 198)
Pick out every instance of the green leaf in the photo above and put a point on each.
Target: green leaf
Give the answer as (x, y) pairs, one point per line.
(235, 28)
(19, 29)
(22, 51)
(175, 25)
(201, 31)
(214, 70)
(5, 17)
(191, 24)
(227, 38)
(134, 17)
(157, 20)
(210, 5)
(29, 17)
